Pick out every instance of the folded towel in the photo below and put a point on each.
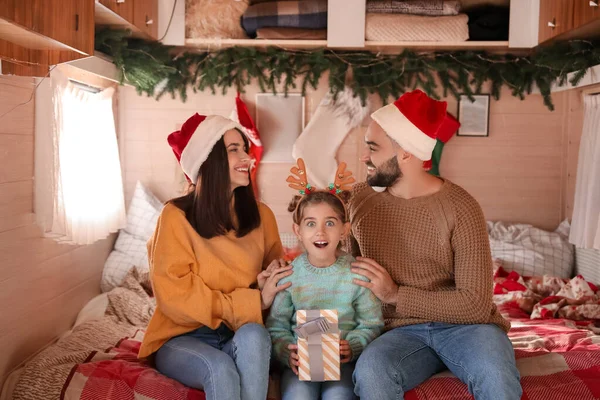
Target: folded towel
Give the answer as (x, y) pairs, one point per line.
(401, 27)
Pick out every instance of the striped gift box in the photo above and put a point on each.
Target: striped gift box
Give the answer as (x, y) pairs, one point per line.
(320, 353)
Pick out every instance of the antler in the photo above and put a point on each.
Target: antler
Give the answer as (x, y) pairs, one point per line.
(343, 179)
(299, 182)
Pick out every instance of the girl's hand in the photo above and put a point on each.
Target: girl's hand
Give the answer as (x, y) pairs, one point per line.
(262, 277)
(293, 360)
(345, 351)
(270, 288)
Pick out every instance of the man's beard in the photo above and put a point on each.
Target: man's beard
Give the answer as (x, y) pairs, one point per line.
(386, 175)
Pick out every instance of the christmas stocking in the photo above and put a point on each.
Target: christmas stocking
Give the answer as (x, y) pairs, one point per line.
(446, 131)
(320, 140)
(240, 114)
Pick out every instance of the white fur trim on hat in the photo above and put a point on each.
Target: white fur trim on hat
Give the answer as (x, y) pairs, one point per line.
(404, 132)
(202, 142)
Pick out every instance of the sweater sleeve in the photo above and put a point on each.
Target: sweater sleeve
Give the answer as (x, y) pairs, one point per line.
(182, 295)
(471, 300)
(369, 320)
(279, 325)
(273, 246)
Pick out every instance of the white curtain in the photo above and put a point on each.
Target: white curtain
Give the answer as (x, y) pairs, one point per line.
(85, 183)
(585, 229)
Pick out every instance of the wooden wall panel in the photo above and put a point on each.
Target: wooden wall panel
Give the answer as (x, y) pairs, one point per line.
(516, 173)
(43, 284)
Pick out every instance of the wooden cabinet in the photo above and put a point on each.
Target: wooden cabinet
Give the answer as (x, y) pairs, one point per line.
(124, 8)
(585, 11)
(67, 22)
(138, 16)
(556, 17)
(145, 17)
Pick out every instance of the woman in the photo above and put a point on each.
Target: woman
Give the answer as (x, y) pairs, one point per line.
(215, 261)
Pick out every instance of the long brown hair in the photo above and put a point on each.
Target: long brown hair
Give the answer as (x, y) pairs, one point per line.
(207, 206)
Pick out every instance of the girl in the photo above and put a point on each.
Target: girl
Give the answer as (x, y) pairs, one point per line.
(206, 258)
(322, 280)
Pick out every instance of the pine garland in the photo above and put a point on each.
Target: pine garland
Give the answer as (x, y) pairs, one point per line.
(155, 69)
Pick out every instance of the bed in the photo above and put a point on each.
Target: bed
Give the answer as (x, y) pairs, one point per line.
(557, 351)
(558, 358)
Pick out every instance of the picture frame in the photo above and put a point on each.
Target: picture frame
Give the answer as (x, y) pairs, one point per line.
(280, 120)
(474, 116)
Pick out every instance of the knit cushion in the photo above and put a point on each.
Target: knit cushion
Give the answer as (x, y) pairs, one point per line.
(416, 28)
(214, 19)
(130, 247)
(531, 251)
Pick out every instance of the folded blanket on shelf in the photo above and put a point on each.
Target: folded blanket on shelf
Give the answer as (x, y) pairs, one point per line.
(402, 27)
(417, 7)
(309, 14)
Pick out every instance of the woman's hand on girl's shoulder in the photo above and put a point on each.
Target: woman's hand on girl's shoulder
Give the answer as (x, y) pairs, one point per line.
(262, 277)
(270, 288)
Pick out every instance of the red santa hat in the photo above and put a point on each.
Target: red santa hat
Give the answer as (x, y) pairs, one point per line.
(413, 122)
(196, 139)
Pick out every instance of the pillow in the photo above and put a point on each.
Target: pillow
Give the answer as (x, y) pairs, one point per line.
(531, 251)
(291, 246)
(143, 213)
(130, 248)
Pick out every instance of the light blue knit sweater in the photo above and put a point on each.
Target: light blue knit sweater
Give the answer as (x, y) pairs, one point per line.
(359, 311)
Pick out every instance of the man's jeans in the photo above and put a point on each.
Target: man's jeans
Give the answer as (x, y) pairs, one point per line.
(226, 365)
(479, 355)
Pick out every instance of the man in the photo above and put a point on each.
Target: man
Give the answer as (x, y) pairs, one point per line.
(426, 254)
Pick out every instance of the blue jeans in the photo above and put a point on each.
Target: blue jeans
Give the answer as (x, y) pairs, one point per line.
(293, 388)
(479, 355)
(226, 365)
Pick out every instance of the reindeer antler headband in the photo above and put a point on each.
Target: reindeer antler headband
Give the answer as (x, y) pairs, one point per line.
(298, 179)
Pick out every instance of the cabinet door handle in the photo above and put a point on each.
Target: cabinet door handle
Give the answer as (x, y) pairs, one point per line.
(552, 24)
(149, 21)
(120, 1)
(76, 22)
(593, 3)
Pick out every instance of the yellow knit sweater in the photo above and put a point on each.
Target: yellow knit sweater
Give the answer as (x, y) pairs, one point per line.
(205, 282)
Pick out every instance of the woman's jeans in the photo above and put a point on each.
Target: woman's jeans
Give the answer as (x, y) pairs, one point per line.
(225, 364)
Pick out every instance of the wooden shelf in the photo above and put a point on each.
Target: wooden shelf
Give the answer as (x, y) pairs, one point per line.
(212, 44)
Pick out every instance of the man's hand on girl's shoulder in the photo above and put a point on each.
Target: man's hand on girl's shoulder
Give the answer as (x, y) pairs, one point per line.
(380, 282)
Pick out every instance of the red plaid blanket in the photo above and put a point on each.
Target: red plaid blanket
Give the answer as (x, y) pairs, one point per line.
(119, 374)
(554, 333)
(557, 361)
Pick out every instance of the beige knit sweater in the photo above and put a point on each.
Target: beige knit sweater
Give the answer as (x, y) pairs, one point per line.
(436, 249)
